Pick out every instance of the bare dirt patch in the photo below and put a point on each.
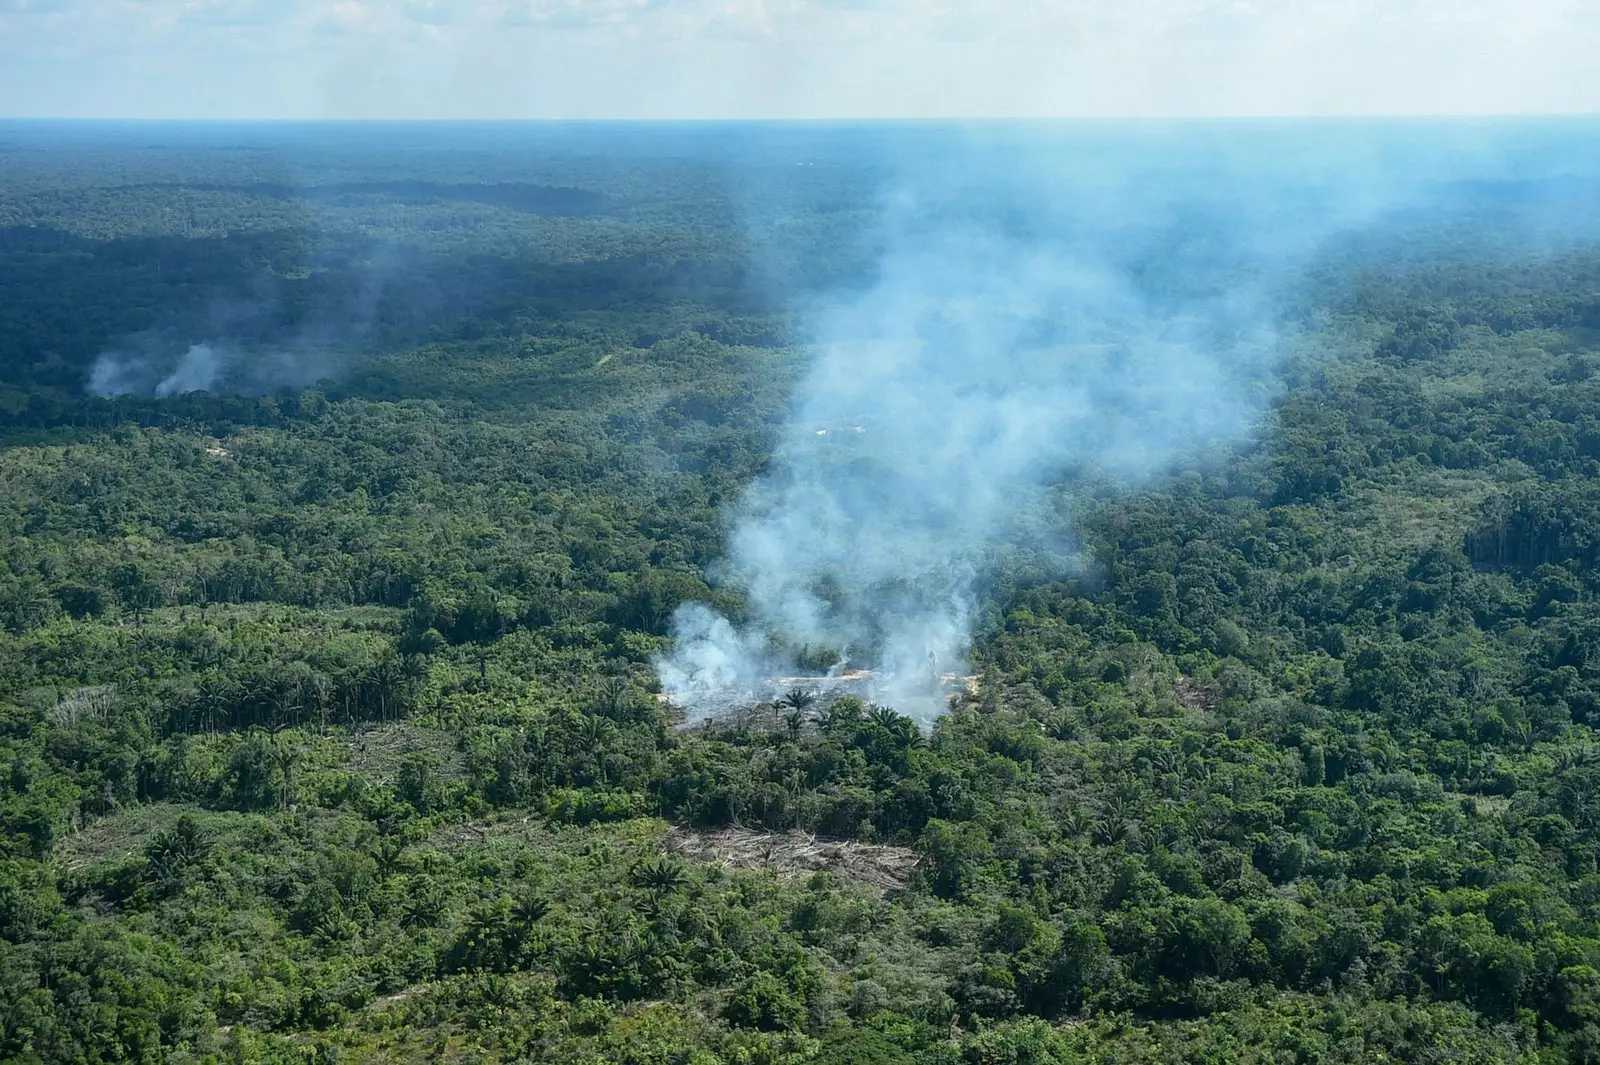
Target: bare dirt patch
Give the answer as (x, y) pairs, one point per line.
(379, 750)
(880, 867)
(115, 836)
(1197, 697)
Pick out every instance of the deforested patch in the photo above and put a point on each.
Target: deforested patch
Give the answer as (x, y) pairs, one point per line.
(1197, 697)
(879, 866)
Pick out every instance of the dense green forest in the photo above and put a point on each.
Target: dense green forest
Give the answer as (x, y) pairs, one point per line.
(328, 726)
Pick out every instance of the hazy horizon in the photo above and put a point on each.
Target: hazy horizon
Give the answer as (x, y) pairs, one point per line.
(792, 59)
(825, 120)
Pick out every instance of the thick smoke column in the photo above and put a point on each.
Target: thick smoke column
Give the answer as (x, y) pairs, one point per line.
(1049, 303)
(1014, 331)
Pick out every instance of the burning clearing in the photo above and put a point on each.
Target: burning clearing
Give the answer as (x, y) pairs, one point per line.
(764, 703)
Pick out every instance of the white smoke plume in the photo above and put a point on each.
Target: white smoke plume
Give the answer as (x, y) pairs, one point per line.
(714, 662)
(197, 371)
(1099, 314)
(150, 369)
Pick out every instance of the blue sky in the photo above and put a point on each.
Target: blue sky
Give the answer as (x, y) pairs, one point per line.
(505, 59)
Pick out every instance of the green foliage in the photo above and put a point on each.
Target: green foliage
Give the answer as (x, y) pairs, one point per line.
(326, 718)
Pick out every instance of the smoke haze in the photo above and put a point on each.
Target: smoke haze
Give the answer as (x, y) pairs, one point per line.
(154, 368)
(1040, 308)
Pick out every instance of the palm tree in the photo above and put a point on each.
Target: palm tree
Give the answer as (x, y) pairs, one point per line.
(1167, 761)
(796, 701)
(1521, 730)
(1119, 805)
(1111, 831)
(527, 911)
(173, 850)
(1568, 758)
(388, 853)
(906, 732)
(1062, 727)
(318, 690)
(283, 705)
(425, 907)
(595, 734)
(485, 943)
(218, 695)
(286, 756)
(414, 673)
(660, 877)
(801, 699)
(614, 695)
(883, 717)
(388, 681)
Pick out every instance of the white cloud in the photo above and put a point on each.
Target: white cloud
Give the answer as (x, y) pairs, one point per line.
(794, 58)
(571, 14)
(232, 12)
